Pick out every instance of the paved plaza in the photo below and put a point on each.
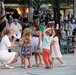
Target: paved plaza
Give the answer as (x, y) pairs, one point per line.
(69, 69)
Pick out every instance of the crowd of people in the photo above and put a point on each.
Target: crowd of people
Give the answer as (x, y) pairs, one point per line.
(40, 37)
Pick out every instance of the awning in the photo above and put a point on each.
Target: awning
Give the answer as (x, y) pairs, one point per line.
(12, 5)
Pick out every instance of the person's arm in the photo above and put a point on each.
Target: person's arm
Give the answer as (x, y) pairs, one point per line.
(40, 38)
(44, 33)
(53, 42)
(12, 44)
(20, 28)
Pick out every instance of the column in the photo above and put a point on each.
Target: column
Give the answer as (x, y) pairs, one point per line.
(31, 14)
(74, 8)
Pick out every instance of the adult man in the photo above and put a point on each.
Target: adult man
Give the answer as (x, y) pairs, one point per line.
(17, 28)
(35, 14)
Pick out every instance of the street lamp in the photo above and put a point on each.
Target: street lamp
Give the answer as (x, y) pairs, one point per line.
(57, 12)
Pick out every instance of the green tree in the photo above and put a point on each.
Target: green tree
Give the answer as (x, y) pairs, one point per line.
(34, 3)
(38, 3)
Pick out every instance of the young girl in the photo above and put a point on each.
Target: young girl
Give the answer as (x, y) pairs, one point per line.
(56, 48)
(36, 44)
(46, 47)
(26, 48)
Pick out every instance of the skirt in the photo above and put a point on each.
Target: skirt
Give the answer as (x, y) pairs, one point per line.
(35, 41)
(6, 57)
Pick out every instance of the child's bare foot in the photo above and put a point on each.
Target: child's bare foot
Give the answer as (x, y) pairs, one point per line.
(25, 67)
(36, 65)
(51, 65)
(40, 65)
(29, 66)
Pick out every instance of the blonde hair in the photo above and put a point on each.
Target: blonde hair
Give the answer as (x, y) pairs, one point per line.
(7, 31)
(27, 35)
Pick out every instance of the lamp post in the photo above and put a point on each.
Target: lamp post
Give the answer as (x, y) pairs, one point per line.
(57, 12)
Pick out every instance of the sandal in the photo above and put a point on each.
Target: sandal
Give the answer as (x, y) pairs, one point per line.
(40, 65)
(8, 67)
(48, 67)
(30, 66)
(2, 65)
(36, 65)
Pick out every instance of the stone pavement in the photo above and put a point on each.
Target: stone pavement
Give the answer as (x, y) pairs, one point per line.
(69, 69)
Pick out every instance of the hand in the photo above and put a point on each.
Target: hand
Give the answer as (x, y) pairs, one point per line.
(14, 39)
(38, 47)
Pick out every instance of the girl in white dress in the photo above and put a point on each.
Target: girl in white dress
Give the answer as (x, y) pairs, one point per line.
(56, 53)
(7, 57)
(36, 44)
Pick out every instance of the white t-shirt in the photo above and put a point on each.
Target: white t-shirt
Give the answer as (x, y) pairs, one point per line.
(16, 28)
(5, 43)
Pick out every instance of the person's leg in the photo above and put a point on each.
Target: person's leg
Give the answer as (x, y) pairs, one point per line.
(68, 33)
(45, 58)
(25, 63)
(40, 59)
(53, 59)
(22, 61)
(36, 59)
(60, 60)
(15, 58)
(8, 65)
(30, 64)
(62, 63)
(49, 58)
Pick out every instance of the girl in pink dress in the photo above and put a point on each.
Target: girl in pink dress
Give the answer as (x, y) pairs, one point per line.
(56, 53)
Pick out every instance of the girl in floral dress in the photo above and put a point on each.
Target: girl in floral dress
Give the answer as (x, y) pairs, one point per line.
(26, 48)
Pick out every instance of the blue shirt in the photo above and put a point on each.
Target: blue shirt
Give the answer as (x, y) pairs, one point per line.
(46, 42)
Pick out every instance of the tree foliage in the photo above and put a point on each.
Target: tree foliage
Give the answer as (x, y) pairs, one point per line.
(38, 3)
(34, 3)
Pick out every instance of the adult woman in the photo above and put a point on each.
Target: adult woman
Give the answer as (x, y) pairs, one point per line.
(25, 16)
(7, 57)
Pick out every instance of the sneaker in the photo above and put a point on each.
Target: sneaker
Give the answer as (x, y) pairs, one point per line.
(62, 65)
(48, 67)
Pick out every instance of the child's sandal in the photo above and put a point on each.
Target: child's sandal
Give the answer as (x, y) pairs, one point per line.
(40, 65)
(36, 65)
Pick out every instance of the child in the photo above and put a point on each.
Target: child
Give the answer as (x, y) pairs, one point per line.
(26, 48)
(36, 44)
(46, 47)
(56, 48)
